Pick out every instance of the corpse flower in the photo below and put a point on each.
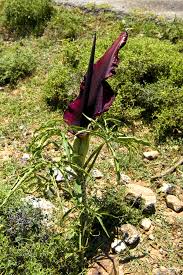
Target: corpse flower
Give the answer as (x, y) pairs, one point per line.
(96, 95)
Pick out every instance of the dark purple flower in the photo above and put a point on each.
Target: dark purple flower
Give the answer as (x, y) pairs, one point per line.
(96, 95)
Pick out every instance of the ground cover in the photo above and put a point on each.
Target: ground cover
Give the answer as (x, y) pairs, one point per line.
(40, 75)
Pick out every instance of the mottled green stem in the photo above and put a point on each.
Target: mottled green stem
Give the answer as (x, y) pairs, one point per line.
(80, 150)
(80, 146)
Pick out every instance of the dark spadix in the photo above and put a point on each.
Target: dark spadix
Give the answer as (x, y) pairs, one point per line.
(96, 95)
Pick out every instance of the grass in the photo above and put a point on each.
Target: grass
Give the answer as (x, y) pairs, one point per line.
(24, 108)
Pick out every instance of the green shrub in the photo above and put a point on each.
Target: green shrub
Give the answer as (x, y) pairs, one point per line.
(15, 63)
(151, 25)
(26, 16)
(59, 88)
(28, 246)
(66, 24)
(148, 81)
(169, 121)
(118, 211)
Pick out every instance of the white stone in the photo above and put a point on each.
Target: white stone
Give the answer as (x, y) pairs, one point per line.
(174, 203)
(60, 177)
(146, 224)
(167, 188)
(140, 195)
(97, 174)
(118, 246)
(124, 179)
(46, 207)
(21, 127)
(129, 235)
(151, 237)
(25, 157)
(151, 155)
(41, 203)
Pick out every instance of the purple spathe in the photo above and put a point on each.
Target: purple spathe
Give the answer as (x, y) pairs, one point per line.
(96, 95)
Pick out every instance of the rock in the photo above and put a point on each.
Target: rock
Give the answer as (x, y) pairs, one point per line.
(97, 174)
(166, 271)
(146, 224)
(151, 155)
(59, 177)
(105, 266)
(129, 235)
(118, 246)
(124, 179)
(167, 188)
(47, 208)
(141, 196)
(25, 157)
(174, 203)
(21, 127)
(151, 237)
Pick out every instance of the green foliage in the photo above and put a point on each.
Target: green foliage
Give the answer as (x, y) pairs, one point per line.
(119, 212)
(40, 176)
(15, 63)
(29, 247)
(150, 25)
(149, 82)
(27, 16)
(67, 24)
(60, 85)
(46, 253)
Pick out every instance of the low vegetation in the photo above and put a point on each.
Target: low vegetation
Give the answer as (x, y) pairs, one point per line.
(43, 56)
(24, 17)
(15, 63)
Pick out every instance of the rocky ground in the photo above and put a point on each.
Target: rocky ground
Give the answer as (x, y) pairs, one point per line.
(167, 199)
(166, 8)
(145, 243)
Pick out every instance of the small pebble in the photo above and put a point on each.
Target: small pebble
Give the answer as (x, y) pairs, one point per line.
(129, 235)
(151, 155)
(25, 157)
(118, 246)
(174, 203)
(146, 224)
(151, 237)
(124, 179)
(167, 188)
(97, 174)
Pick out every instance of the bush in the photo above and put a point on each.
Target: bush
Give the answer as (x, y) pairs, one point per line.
(15, 63)
(151, 25)
(117, 209)
(28, 246)
(66, 24)
(26, 16)
(148, 82)
(59, 88)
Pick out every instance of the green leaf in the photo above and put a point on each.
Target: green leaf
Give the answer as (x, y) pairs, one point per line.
(101, 223)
